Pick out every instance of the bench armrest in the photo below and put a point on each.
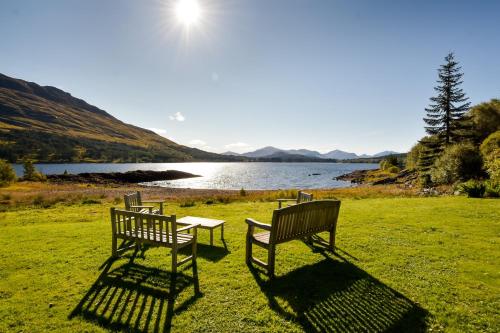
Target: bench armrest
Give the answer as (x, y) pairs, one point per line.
(286, 200)
(252, 222)
(191, 226)
(142, 206)
(153, 201)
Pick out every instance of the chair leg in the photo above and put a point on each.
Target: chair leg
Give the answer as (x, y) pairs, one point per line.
(174, 261)
(114, 247)
(195, 269)
(332, 240)
(248, 255)
(271, 255)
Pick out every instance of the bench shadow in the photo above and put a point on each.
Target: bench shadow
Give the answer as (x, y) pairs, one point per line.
(134, 298)
(336, 296)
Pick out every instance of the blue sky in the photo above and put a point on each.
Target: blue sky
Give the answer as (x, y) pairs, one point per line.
(323, 75)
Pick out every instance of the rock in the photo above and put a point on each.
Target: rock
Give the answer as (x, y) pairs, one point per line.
(138, 176)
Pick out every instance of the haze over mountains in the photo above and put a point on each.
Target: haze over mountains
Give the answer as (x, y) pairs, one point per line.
(336, 154)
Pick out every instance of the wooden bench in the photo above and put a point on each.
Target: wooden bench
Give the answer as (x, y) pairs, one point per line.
(301, 197)
(156, 230)
(134, 203)
(295, 222)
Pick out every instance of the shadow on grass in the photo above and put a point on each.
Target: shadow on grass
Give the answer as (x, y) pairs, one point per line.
(336, 296)
(134, 298)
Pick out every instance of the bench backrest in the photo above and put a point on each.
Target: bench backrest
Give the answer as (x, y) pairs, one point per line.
(149, 227)
(133, 199)
(304, 197)
(304, 219)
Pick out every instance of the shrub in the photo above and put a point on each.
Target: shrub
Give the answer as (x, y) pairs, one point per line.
(7, 174)
(490, 150)
(390, 161)
(458, 162)
(413, 156)
(89, 201)
(473, 188)
(31, 173)
(243, 193)
(486, 119)
(492, 189)
(393, 169)
(187, 204)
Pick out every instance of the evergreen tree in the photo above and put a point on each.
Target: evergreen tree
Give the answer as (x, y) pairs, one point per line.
(446, 119)
(446, 114)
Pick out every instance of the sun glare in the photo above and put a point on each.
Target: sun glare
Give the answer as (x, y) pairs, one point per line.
(188, 12)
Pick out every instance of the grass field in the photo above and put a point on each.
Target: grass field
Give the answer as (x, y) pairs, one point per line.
(402, 264)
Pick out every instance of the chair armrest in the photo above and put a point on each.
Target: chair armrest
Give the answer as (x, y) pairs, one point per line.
(142, 206)
(153, 201)
(286, 200)
(191, 226)
(252, 222)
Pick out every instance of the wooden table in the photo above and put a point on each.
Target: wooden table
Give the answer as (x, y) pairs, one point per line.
(204, 223)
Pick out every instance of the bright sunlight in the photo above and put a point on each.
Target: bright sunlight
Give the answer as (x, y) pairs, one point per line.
(188, 12)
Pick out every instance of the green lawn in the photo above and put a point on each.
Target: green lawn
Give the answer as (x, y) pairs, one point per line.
(402, 264)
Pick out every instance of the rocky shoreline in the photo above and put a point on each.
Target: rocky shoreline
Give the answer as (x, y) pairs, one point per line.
(406, 177)
(129, 177)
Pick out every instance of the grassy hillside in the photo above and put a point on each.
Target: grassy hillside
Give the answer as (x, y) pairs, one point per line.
(402, 264)
(49, 125)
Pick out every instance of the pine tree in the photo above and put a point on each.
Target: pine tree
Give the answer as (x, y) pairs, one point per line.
(446, 115)
(446, 120)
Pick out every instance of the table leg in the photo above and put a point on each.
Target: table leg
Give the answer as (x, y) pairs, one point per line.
(211, 237)
(222, 232)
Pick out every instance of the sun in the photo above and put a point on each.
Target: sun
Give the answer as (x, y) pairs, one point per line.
(188, 12)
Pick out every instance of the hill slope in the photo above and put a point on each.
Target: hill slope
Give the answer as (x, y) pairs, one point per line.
(49, 125)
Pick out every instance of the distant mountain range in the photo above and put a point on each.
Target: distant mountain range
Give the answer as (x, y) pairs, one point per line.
(270, 152)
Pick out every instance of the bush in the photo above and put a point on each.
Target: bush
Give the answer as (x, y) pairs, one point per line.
(486, 119)
(458, 162)
(413, 156)
(492, 189)
(243, 193)
(393, 169)
(490, 150)
(473, 188)
(7, 174)
(186, 204)
(31, 173)
(388, 162)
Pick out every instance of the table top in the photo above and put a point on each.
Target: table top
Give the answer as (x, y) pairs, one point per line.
(201, 221)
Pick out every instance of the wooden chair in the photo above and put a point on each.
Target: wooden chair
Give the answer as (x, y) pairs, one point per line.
(301, 197)
(295, 222)
(134, 203)
(153, 229)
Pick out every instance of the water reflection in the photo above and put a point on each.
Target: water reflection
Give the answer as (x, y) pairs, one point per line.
(228, 175)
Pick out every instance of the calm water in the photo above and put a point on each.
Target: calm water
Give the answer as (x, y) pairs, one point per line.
(250, 176)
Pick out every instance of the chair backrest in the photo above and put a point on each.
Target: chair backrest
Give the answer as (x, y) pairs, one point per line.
(304, 219)
(133, 199)
(304, 197)
(151, 227)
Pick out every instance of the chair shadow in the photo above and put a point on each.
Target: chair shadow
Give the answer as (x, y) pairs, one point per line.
(209, 252)
(337, 296)
(134, 298)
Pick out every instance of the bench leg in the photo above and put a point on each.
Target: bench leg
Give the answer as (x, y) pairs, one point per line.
(114, 247)
(195, 268)
(332, 240)
(271, 256)
(248, 252)
(174, 261)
